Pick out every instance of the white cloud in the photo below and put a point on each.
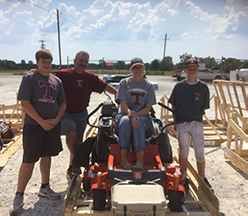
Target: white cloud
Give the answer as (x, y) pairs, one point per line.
(3, 19)
(219, 26)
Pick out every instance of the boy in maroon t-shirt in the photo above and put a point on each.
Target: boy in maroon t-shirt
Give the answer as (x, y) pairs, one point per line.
(78, 85)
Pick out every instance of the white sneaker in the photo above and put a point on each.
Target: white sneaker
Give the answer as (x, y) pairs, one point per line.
(49, 193)
(17, 204)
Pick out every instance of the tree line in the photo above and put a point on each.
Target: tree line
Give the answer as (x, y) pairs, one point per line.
(165, 64)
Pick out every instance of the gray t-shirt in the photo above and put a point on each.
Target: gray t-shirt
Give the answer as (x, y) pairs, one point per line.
(136, 94)
(45, 93)
(190, 101)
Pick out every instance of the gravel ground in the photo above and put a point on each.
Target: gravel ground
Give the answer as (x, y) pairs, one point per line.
(230, 185)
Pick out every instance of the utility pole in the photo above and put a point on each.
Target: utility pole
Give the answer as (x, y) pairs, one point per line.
(60, 64)
(42, 44)
(165, 39)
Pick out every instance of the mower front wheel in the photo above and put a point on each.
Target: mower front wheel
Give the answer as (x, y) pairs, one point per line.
(99, 199)
(175, 200)
(86, 185)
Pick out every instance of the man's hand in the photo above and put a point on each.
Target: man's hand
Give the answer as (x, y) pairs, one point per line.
(33, 70)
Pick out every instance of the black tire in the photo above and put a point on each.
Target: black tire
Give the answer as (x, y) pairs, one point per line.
(164, 147)
(1, 144)
(86, 185)
(99, 199)
(218, 77)
(175, 200)
(11, 134)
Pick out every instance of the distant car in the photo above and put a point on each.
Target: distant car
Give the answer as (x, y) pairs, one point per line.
(205, 74)
(114, 80)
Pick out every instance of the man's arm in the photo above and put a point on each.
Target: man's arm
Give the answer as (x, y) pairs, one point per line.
(111, 89)
(28, 107)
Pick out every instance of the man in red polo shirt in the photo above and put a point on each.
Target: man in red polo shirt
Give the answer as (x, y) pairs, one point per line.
(78, 85)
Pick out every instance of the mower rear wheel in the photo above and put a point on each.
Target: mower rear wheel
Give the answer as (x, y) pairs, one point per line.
(1, 143)
(11, 134)
(175, 200)
(99, 199)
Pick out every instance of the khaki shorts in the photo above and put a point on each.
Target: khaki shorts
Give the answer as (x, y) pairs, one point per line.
(193, 130)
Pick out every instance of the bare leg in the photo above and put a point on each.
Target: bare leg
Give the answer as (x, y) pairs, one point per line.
(201, 168)
(73, 145)
(140, 156)
(45, 166)
(183, 163)
(25, 174)
(124, 156)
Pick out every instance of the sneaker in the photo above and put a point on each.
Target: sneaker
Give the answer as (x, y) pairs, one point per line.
(208, 184)
(76, 171)
(49, 193)
(186, 185)
(17, 204)
(69, 173)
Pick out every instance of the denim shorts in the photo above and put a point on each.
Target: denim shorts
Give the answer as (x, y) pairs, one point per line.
(74, 123)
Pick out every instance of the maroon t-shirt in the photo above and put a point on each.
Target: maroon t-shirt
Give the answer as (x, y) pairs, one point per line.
(78, 88)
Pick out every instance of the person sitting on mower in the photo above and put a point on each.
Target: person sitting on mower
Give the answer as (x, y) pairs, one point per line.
(136, 96)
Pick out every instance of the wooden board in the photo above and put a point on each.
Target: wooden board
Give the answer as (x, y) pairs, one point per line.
(9, 149)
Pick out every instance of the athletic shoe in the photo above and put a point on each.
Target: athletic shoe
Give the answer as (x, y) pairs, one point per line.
(69, 175)
(75, 171)
(17, 204)
(208, 184)
(49, 193)
(186, 185)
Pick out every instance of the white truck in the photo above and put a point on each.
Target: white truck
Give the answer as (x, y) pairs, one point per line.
(242, 74)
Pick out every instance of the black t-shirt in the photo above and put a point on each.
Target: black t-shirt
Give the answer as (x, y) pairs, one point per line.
(190, 101)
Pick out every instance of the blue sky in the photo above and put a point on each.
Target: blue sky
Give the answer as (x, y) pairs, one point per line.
(121, 30)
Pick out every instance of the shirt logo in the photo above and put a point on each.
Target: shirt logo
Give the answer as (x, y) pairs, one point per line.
(137, 95)
(197, 96)
(79, 83)
(47, 87)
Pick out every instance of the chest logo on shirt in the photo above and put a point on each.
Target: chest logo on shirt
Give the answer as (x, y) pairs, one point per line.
(137, 96)
(197, 96)
(79, 83)
(47, 97)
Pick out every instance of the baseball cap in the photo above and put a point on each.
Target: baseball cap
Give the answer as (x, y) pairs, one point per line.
(136, 61)
(191, 61)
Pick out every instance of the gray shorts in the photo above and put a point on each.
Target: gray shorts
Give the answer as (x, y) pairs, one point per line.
(74, 122)
(193, 130)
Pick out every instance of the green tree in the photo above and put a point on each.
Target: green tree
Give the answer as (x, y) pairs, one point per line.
(209, 62)
(155, 65)
(167, 64)
(120, 65)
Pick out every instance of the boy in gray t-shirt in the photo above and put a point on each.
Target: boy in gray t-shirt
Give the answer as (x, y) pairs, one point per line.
(42, 97)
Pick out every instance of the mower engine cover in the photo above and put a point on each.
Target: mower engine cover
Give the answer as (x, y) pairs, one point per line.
(145, 199)
(3, 127)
